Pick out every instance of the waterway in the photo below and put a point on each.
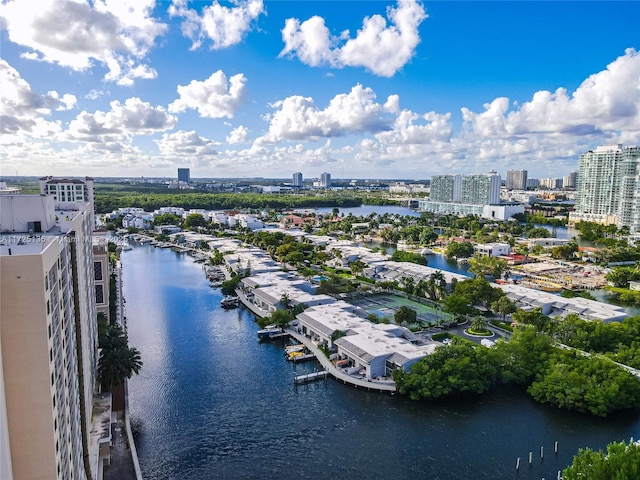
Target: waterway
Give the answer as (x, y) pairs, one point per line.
(212, 402)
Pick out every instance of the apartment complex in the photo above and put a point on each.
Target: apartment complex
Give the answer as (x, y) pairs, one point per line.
(446, 188)
(607, 189)
(48, 338)
(516, 180)
(469, 195)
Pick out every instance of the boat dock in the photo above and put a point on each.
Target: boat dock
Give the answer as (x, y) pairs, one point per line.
(303, 358)
(311, 377)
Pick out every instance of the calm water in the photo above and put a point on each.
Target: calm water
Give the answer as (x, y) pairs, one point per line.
(213, 402)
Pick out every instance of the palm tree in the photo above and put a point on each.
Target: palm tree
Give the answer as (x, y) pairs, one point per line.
(118, 362)
(408, 283)
(285, 301)
(440, 282)
(479, 324)
(504, 306)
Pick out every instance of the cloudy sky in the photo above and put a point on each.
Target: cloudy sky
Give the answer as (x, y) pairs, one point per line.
(361, 89)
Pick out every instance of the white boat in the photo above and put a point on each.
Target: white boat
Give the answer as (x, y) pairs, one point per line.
(293, 348)
(270, 331)
(229, 302)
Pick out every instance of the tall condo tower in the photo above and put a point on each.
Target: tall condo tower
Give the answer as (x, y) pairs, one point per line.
(48, 335)
(516, 180)
(325, 180)
(297, 180)
(184, 175)
(606, 190)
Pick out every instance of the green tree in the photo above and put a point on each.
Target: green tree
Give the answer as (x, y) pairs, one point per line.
(620, 462)
(228, 287)
(194, 220)
(457, 305)
(481, 265)
(167, 219)
(450, 369)
(117, 362)
(357, 267)
(440, 283)
(533, 317)
(586, 384)
(479, 324)
(504, 306)
(405, 315)
(524, 356)
(537, 232)
(285, 301)
(459, 250)
(281, 318)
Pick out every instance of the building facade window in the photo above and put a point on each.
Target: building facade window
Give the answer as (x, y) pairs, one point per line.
(97, 270)
(99, 294)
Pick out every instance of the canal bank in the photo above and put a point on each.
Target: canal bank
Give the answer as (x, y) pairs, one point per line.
(213, 402)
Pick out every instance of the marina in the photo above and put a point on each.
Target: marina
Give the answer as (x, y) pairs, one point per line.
(201, 360)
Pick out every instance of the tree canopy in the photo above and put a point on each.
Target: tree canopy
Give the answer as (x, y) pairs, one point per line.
(451, 369)
(459, 250)
(621, 461)
(118, 362)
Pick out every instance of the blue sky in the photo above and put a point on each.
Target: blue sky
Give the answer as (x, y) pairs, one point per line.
(360, 89)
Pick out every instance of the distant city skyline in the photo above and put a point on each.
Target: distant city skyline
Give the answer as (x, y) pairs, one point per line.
(380, 90)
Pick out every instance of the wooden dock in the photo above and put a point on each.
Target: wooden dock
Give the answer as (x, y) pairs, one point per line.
(310, 377)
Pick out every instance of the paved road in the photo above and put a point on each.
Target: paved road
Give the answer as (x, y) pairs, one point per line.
(121, 463)
(459, 330)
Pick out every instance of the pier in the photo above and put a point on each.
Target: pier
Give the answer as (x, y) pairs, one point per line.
(310, 377)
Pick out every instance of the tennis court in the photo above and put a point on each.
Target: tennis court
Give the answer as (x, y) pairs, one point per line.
(385, 305)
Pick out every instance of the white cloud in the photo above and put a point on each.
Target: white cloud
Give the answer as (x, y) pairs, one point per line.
(21, 109)
(224, 26)
(607, 103)
(238, 135)
(75, 34)
(114, 130)
(406, 130)
(182, 143)
(213, 97)
(381, 48)
(356, 112)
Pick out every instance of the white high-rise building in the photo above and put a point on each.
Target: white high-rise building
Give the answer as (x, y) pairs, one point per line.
(445, 188)
(48, 337)
(516, 180)
(607, 191)
(570, 181)
(481, 189)
(297, 180)
(325, 180)
(469, 195)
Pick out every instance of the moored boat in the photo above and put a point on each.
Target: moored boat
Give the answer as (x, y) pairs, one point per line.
(270, 331)
(229, 302)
